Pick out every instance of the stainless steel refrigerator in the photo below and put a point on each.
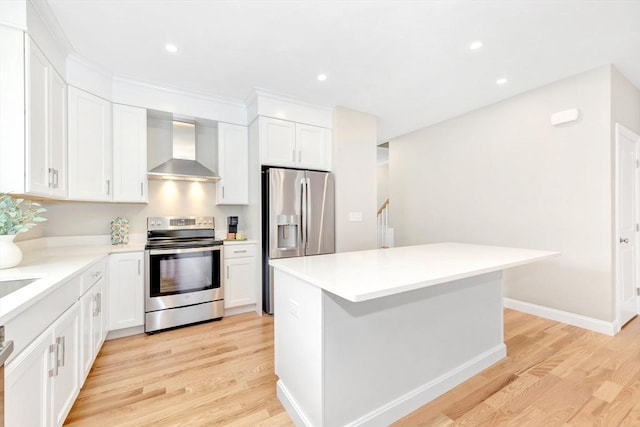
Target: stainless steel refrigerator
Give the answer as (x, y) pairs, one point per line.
(298, 219)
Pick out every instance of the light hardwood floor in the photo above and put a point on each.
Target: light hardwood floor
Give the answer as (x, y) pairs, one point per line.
(221, 374)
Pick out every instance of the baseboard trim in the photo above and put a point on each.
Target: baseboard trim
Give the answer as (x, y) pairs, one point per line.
(290, 405)
(584, 322)
(126, 332)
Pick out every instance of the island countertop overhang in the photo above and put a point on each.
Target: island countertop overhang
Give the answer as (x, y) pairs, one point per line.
(366, 275)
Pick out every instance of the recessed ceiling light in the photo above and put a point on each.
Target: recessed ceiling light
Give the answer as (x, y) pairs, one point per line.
(322, 77)
(475, 45)
(171, 48)
(501, 81)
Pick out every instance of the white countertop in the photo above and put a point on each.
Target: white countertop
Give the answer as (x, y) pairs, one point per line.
(52, 265)
(365, 275)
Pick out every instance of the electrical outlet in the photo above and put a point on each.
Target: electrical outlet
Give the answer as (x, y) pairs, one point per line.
(293, 308)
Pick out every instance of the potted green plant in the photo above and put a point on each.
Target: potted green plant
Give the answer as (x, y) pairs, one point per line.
(16, 216)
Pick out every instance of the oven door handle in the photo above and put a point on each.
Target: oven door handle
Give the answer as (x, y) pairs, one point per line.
(183, 251)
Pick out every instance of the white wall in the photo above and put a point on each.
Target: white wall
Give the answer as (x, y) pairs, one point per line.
(354, 165)
(502, 175)
(166, 198)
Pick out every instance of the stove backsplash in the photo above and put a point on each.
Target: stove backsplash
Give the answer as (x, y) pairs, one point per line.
(166, 198)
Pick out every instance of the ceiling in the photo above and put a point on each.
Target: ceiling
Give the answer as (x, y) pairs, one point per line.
(406, 62)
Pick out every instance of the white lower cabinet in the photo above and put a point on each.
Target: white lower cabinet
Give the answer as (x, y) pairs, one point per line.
(126, 290)
(94, 329)
(43, 381)
(239, 275)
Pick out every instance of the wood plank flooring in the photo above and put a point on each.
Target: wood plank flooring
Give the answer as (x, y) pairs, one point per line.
(221, 374)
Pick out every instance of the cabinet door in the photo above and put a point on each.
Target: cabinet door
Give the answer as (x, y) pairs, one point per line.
(27, 391)
(14, 56)
(89, 147)
(277, 142)
(99, 327)
(239, 285)
(58, 133)
(87, 310)
(126, 290)
(233, 165)
(129, 154)
(66, 384)
(313, 147)
(38, 179)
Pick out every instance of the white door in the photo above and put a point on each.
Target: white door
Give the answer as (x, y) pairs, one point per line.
(27, 391)
(90, 146)
(129, 154)
(38, 168)
(126, 290)
(233, 165)
(277, 142)
(626, 241)
(66, 384)
(239, 285)
(58, 142)
(313, 147)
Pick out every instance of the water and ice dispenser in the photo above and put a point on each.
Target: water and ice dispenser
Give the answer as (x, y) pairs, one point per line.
(288, 227)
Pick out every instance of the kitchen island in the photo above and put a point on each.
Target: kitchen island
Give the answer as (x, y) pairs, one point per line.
(364, 338)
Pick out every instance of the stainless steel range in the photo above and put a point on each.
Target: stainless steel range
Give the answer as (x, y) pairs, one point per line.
(183, 280)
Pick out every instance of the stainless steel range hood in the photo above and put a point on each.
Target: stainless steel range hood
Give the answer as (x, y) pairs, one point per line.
(183, 164)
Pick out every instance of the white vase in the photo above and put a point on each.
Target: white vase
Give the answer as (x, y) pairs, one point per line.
(10, 253)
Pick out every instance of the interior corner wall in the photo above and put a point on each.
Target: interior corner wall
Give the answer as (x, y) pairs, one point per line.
(625, 102)
(354, 160)
(503, 175)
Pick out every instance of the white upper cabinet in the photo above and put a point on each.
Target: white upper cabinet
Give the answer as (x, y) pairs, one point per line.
(289, 144)
(277, 142)
(46, 138)
(314, 147)
(129, 154)
(233, 165)
(90, 147)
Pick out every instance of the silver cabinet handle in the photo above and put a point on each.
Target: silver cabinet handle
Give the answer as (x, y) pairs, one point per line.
(293, 156)
(99, 302)
(227, 271)
(299, 156)
(50, 178)
(55, 178)
(61, 341)
(239, 252)
(53, 349)
(223, 191)
(108, 187)
(142, 189)
(138, 267)
(95, 305)
(624, 240)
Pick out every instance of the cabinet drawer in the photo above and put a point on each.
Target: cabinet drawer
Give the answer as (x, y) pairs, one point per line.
(93, 274)
(24, 328)
(239, 251)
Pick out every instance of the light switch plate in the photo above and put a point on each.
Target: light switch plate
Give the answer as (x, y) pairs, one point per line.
(355, 216)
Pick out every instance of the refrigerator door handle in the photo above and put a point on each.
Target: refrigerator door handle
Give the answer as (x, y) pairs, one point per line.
(303, 212)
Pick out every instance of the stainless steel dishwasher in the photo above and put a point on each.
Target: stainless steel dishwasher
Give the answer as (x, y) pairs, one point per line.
(5, 351)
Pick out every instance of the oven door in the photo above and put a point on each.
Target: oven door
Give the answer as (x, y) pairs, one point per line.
(180, 277)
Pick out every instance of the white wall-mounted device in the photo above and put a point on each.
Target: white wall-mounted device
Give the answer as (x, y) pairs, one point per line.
(566, 116)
